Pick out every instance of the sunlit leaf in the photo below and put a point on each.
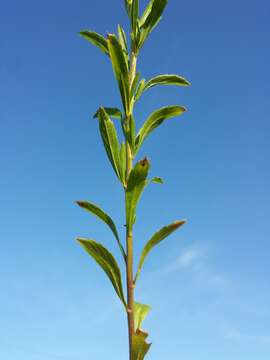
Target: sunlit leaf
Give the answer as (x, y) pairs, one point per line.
(96, 39)
(156, 119)
(156, 239)
(151, 18)
(140, 313)
(107, 262)
(112, 112)
(136, 183)
(102, 215)
(110, 139)
(123, 162)
(139, 90)
(120, 67)
(167, 79)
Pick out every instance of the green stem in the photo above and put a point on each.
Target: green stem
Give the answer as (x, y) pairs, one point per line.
(129, 235)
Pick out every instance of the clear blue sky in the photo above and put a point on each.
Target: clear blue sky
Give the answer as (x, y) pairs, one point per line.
(208, 284)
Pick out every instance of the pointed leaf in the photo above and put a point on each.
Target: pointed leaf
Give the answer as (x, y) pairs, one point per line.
(157, 180)
(96, 39)
(156, 239)
(123, 162)
(135, 186)
(139, 90)
(112, 112)
(110, 139)
(122, 38)
(166, 79)
(135, 83)
(120, 67)
(151, 18)
(140, 313)
(107, 262)
(134, 15)
(156, 119)
(98, 212)
(139, 345)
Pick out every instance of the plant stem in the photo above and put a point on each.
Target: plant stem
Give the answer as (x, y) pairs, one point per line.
(129, 235)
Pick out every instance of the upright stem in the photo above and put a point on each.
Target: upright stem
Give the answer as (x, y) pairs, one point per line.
(129, 235)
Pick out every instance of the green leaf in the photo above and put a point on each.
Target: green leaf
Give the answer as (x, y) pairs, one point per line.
(140, 313)
(123, 162)
(139, 90)
(96, 39)
(102, 215)
(166, 79)
(156, 119)
(107, 262)
(135, 186)
(134, 14)
(156, 239)
(110, 140)
(120, 68)
(139, 345)
(151, 18)
(112, 112)
(122, 38)
(157, 180)
(128, 4)
(135, 83)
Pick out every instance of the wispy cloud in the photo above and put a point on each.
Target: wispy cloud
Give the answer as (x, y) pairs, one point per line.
(186, 259)
(197, 261)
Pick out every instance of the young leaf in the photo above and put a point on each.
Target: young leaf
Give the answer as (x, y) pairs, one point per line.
(139, 345)
(166, 79)
(96, 39)
(151, 18)
(122, 38)
(156, 239)
(135, 83)
(128, 4)
(157, 180)
(123, 162)
(107, 262)
(120, 68)
(110, 140)
(156, 119)
(139, 90)
(134, 14)
(135, 186)
(140, 313)
(112, 112)
(98, 212)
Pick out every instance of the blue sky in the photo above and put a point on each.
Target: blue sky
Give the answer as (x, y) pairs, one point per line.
(208, 284)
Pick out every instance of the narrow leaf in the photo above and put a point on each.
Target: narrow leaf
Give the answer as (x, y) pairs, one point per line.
(122, 38)
(102, 215)
(123, 162)
(112, 112)
(156, 119)
(166, 79)
(96, 39)
(151, 18)
(110, 140)
(139, 90)
(156, 239)
(120, 67)
(135, 186)
(107, 262)
(140, 313)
